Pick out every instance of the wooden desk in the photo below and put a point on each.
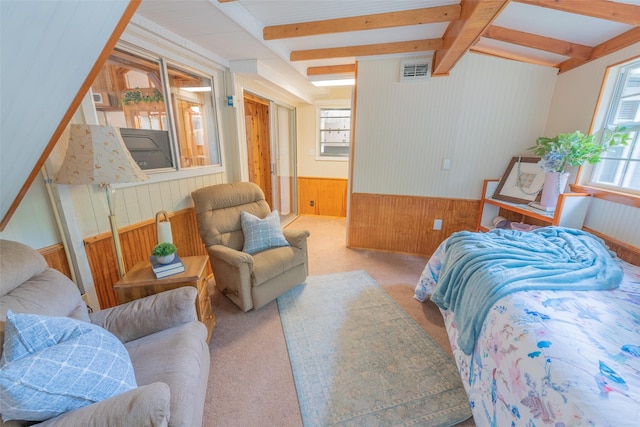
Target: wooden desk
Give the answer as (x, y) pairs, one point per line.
(140, 282)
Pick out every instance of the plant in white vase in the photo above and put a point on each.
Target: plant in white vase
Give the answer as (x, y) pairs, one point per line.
(567, 150)
(164, 252)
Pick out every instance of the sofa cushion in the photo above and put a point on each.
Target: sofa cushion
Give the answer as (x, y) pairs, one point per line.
(178, 357)
(274, 262)
(18, 264)
(261, 234)
(52, 365)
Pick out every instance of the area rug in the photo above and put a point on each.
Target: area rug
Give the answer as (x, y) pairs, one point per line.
(359, 360)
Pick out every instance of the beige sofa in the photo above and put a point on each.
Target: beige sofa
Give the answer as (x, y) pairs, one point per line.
(166, 344)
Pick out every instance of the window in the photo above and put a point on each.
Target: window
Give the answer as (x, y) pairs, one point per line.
(193, 106)
(130, 93)
(620, 166)
(334, 133)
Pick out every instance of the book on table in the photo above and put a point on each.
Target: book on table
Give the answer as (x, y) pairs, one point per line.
(165, 273)
(161, 270)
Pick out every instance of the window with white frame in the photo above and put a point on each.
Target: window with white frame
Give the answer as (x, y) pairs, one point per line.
(334, 132)
(133, 92)
(619, 167)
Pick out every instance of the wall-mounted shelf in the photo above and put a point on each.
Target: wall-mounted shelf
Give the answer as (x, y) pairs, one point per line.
(570, 211)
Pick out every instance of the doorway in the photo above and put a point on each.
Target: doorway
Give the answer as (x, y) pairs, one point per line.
(271, 152)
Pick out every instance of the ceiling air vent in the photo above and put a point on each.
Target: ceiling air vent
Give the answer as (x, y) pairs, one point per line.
(415, 70)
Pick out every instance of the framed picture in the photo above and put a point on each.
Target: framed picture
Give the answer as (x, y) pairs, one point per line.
(521, 182)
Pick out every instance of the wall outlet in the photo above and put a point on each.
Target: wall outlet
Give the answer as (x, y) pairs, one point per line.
(437, 224)
(312, 203)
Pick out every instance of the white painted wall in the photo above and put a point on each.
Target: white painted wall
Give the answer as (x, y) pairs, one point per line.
(487, 111)
(46, 57)
(308, 163)
(573, 106)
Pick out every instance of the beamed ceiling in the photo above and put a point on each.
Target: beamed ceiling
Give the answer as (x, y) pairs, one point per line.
(327, 37)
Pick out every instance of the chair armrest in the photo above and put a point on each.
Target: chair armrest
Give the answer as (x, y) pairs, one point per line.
(143, 406)
(148, 315)
(230, 256)
(295, 237)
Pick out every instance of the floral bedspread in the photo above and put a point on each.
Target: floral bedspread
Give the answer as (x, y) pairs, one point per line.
(558, 358)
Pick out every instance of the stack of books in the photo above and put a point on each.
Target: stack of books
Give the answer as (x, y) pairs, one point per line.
(163, 270)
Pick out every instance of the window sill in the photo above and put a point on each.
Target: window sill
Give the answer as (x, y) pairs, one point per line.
(173, 175)
(609, 195)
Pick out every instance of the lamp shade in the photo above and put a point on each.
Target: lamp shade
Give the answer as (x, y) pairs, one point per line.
(97, 155)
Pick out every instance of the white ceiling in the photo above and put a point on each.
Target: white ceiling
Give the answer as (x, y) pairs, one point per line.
(233, 29)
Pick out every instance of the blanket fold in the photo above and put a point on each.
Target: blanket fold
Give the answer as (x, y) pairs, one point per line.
(480, 268)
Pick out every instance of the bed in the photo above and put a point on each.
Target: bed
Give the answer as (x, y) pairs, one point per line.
(541, 353)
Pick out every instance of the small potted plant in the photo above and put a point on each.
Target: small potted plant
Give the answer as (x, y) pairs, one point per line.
(567, 150)
(164, 252)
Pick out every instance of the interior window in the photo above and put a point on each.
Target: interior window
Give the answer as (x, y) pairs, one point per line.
(193, 107)
(129, 93)
(335, 132)
(620, 166)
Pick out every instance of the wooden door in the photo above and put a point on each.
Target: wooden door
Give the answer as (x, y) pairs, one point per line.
(256, 111)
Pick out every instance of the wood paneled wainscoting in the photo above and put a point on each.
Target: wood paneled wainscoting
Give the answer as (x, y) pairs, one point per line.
(329, 196)
(137, 241)
(56, 258)
(405, 223)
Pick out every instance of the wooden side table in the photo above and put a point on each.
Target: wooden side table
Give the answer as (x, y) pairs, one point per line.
(140, 282)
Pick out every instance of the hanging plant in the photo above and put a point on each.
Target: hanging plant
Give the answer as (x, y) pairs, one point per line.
(136, 96)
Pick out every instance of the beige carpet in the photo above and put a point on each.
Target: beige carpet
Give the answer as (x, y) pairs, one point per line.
(250, 381)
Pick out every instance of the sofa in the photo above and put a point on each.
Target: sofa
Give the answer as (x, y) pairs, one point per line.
(164, 341)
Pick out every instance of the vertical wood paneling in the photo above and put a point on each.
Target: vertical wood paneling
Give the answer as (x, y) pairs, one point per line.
(56, 258)
(137, 242)
(329, 196)
(405, 223)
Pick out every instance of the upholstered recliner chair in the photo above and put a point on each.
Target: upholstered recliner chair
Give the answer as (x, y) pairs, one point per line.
(250, 280)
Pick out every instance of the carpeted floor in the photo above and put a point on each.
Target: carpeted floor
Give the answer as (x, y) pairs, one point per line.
(250, 381)
(358, 359)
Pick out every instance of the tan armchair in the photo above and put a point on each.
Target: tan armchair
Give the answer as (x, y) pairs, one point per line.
(250, 281)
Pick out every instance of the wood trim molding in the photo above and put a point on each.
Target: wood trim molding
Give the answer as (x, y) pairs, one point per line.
(77, 100)
(332, 69)
(475, 18)
(367, 50)
(426, 15)
(609, 195)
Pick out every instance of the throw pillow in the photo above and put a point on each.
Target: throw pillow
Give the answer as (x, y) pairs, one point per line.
(53, 365)
(261, 234)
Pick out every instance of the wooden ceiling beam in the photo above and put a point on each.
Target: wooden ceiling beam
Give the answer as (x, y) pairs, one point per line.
(475, 18)
(498, 53)
(620, 42)
(619, 12)
(332, 69)
(426, 15)
(535, 41)
(367, 50)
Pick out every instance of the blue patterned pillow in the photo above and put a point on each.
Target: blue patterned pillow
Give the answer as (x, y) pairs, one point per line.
(261, 234)
(52, 365)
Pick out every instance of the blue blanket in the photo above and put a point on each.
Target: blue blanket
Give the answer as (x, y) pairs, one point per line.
(480, 268)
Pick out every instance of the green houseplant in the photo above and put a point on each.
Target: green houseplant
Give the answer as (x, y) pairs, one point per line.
(567, 150)
(164, 252)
